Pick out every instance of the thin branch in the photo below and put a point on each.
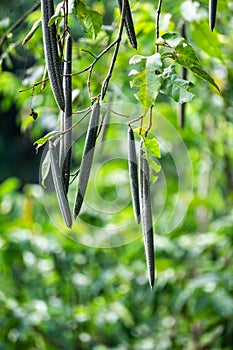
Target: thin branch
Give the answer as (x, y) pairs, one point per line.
(34, 85)
(18, 23)
(59, 134)
(141, 124)
(65, 6)
(150, 121)
(117, 113)
(114, 57)
(96, 59)
(135, 120)
(82, 111)
(74, 176)
(77, 123)
(89, 52)
(158, 11)
(89, 81)
(104, 51)
(91, 66)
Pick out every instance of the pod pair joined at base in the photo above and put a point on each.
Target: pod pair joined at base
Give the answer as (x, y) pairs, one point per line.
(58, 185)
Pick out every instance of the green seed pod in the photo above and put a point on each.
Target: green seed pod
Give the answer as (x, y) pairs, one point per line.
(66, 120)
(87, 158)
(51, 52)
(146, 214)
(133, 174)
(129, 26)
(58, 185)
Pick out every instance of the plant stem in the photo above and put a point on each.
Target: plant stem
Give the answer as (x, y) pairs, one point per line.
(114, 57)
(158, 11)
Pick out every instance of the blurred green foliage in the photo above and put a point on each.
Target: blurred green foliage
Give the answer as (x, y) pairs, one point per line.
(59, 294)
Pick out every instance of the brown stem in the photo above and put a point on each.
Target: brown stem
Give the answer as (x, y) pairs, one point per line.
(150, 121)
(158, 11)
(114, 57)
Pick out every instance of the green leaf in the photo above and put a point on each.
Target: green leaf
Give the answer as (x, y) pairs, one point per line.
(153, 63)
(155, 166)
(136, 59)
(148, 81)
(87, 17)
(186, 55)
(30, 34)
(40, 142)
(203, 75)
(139, 82)
(175, 87)
(171, 39)
(148, 87)
(57, 14)
(45, 169)
(153, 147)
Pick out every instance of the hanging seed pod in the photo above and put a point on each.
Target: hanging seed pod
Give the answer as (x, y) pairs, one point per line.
(133, 174)
(58, 185)
(51, 52)
(87, 158)
(184, 74)
(66, 120)
(146, 213)
(129, 26)
(212, 13)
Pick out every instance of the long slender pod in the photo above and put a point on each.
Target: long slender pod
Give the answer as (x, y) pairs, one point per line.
(182, 115)
(51, 52)
(58, 185)
(106, 122)
(184, 75)
(146, 213)
(129, 26)
(212, 13)
(133, 174)
(66, 120)
(87, 158)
